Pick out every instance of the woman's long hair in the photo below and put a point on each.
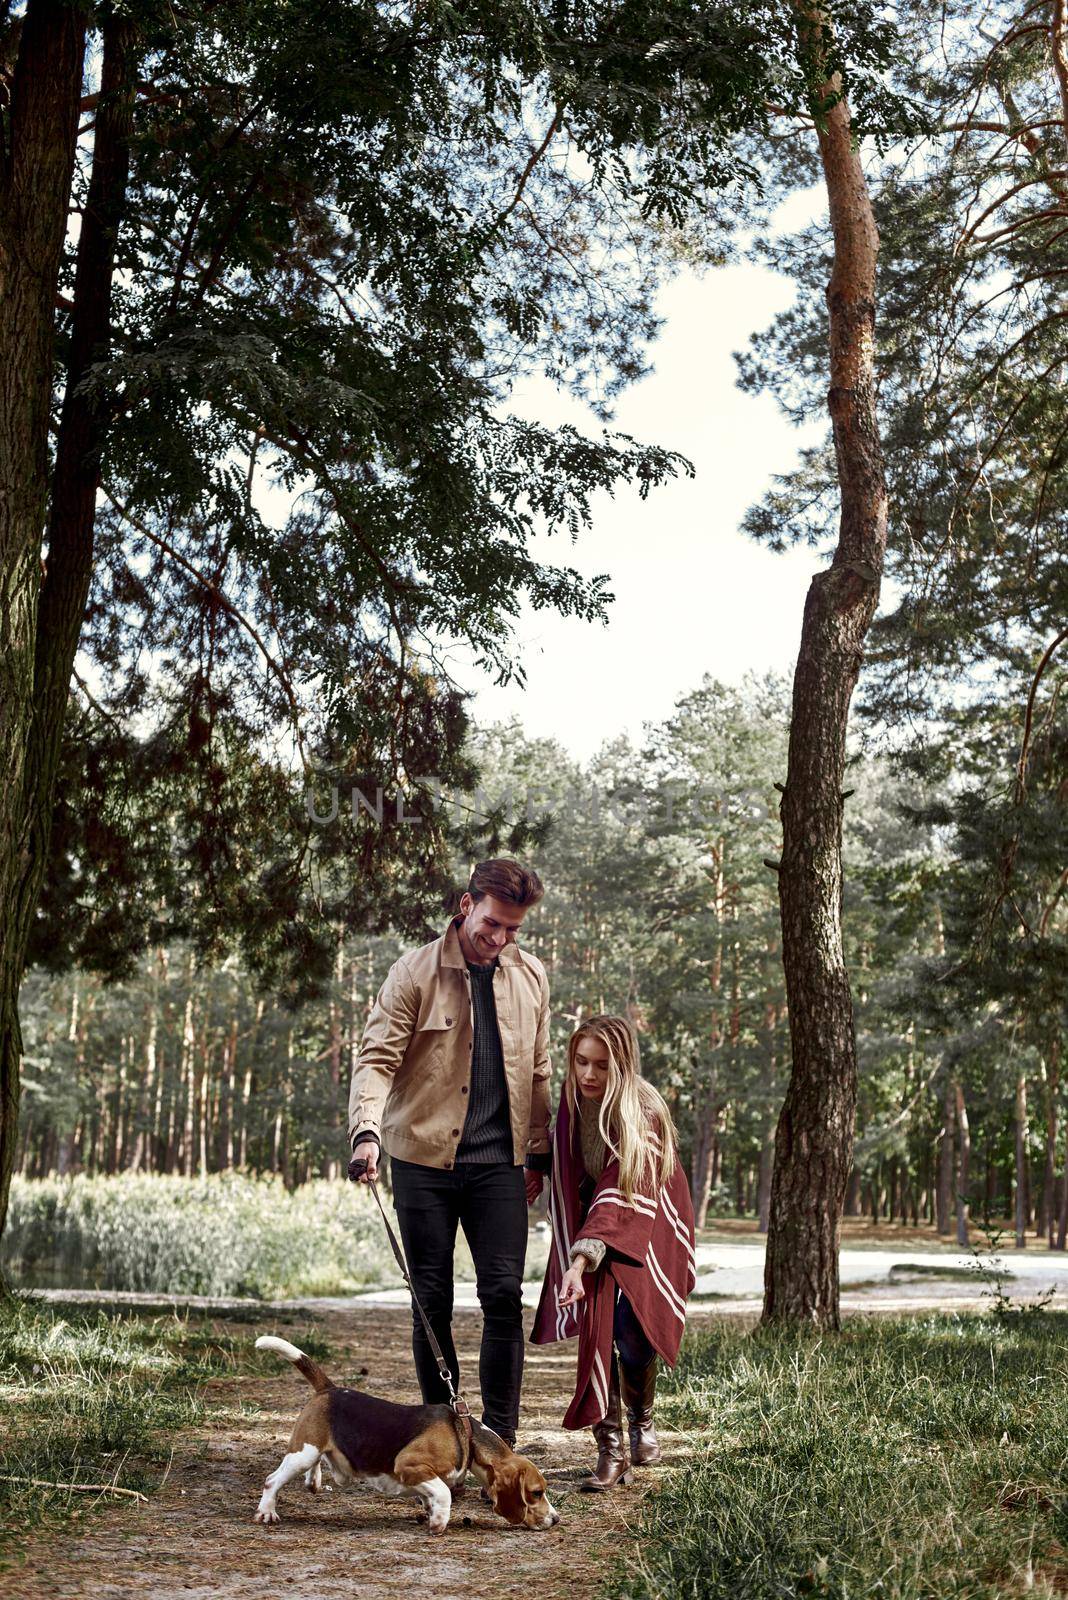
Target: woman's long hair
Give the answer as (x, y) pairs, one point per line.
(634, 1120)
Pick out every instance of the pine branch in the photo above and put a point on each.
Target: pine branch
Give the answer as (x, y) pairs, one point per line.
(228, 606)
(536, 156)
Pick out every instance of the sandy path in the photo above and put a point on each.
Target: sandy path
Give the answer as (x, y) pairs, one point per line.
(195, 1537)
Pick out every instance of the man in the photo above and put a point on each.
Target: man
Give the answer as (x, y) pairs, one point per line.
(452, 1080)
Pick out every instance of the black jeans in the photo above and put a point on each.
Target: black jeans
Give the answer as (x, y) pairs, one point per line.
(635, 1351)
(489, 1202)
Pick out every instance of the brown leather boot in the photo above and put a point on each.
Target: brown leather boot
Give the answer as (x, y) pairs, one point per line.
(639, 1392)
(613, 1463)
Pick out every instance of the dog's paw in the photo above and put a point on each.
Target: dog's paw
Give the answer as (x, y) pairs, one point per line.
(267, 1517)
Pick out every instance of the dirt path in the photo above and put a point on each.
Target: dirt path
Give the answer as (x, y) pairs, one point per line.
(195, 1537)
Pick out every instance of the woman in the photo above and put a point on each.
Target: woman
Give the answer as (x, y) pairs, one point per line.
(622, 1262)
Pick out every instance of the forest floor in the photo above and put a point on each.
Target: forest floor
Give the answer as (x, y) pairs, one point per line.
(194, 1538)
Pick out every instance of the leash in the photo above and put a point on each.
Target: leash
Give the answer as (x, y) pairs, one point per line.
(460, 1408)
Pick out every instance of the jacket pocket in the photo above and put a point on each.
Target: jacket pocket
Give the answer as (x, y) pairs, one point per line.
(437, 1020)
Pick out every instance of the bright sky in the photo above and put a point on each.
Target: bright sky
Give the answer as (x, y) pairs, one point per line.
(693, 594)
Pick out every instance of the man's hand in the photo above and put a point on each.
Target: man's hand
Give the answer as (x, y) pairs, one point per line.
(535, 1184)
(571, 1289)
(367, 1151)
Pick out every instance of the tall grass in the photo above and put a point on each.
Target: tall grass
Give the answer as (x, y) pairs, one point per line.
(906, 1460)
(222, 1235)
(90, 1399)
(225, 1235)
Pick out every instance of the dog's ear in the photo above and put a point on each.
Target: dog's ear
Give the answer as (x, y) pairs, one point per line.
(533, 1482)
(506, 1492)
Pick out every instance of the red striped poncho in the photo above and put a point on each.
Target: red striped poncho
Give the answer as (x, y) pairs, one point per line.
(649, 1256)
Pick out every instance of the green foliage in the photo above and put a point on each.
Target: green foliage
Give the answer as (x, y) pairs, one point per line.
(905, 1459)
(347, 229)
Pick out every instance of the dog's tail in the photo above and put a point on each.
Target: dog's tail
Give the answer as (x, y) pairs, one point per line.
(304, 1364)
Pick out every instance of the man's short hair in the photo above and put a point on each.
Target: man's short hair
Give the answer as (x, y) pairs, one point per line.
(506, 879)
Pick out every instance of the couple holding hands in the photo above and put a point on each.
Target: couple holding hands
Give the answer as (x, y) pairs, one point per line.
(453, 1080)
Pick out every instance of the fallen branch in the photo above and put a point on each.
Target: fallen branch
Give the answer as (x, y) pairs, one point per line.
(82, 1488)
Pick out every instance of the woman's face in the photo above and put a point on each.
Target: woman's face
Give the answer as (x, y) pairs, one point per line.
(591, 1067)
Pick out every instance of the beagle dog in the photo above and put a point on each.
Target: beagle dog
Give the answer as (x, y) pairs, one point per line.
(420, 1450)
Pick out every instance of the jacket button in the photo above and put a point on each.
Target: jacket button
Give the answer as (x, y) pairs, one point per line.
(448, 1022)
(464, 1089)
(456, 1133)
(448, 1163)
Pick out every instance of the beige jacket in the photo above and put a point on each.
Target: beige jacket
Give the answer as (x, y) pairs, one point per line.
(413, 1073)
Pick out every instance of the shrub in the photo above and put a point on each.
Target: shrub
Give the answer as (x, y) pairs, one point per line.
(223, 1235)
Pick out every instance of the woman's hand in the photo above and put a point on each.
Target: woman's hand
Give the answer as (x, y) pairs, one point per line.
(571, 1289)
(535, 1183)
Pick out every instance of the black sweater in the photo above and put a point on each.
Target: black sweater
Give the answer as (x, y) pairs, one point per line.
(487, 1130)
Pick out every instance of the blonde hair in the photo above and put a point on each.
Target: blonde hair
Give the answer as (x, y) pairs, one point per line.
(633, 1118)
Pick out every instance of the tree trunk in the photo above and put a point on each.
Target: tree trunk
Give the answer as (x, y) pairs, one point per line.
(335, 1047)
(944, 1192)
(701, 1166)
(203, 1094)
(35, 184)
(1048, 1224)
(41, 620)
(188, 1076)
(989, 1181)
(814, 1143)
(963, 1171)
(767, 1159)
(716, 1171)
(230, 1090)
(246, 1087)
(149, 1095)
(705, 1167)
(1022, 1208)
(852, 1197)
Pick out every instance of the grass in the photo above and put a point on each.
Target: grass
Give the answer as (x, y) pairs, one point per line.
(97, 1399)
(860, 1233)
(912, 1459)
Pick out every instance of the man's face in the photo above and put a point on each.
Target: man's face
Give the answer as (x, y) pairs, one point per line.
(489, 924)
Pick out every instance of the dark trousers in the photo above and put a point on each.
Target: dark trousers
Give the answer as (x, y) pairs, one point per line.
(635, 1351)
(489, 1203)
